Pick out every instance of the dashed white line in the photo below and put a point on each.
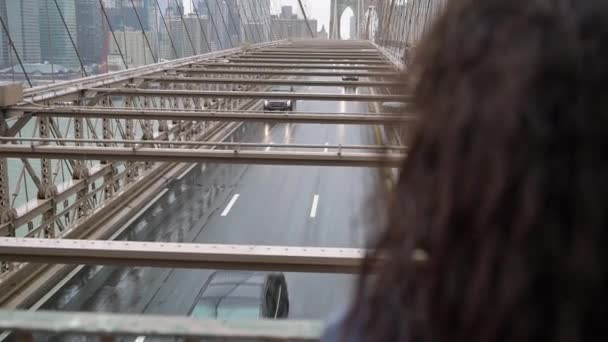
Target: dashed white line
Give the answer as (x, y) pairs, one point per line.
(229, 206)
(186, 172)
(268, 148)
(140, 339)
(313, 209)
(326, 149)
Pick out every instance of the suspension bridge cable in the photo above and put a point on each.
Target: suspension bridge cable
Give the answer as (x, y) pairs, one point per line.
(181, 14)
(247, 22)
(312, 35)
(217, 34)
(143, 32)
(10, 41)
(238, 13)
(260, 15)
(224, 23)
(162, 17)
(250, 20)
(103, 10)
(203, 33)
(231, 20)
(71, 39)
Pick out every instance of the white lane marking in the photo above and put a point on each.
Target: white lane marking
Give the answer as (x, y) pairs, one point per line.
(326, 149)
(186, 172)
(268, 148)
(313, 209)
(140, 339)
(229, 206)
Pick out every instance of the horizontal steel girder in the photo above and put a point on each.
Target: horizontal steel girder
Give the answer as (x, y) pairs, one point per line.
(308, 61)
(182, 255)
(111, 325)
(232, 145)
(250, 94)
(153, 114)
(76, 85)
(347, 159)
(286, 72)
(326, 57)
(295, 82)
(293, 66)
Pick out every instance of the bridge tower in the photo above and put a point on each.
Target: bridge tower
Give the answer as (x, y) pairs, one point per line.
(359, 8)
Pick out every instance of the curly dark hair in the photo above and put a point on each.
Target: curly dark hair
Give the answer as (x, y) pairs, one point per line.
(498, 229)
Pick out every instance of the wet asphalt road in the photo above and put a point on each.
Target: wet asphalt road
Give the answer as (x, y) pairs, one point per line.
(274, 207)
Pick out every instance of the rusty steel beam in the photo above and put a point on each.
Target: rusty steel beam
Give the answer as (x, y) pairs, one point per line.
(307, 61)
(250, 94)
(110, 325)
(190, 115)
(292, 66)
(291, 56)
(182, 255)
(295, 82)
(232, 145)
(345, 159)
(212, 71)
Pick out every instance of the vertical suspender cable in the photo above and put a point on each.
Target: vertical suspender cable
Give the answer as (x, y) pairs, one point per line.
(166, 28)
(312, 35)
(181, 14)
(231, 19)
(203, 33)
(262, 17)
(10, 41)
(217, 34)
(250, 20)
(103, 10)
(71, 39)
(243, 24)
(143, 32)
(224, 23)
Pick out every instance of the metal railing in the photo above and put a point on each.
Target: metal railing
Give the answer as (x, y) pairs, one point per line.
(26, 325)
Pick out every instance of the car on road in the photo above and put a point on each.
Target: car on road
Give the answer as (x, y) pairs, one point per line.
(350, 78)
(278, 104)
(229, 295)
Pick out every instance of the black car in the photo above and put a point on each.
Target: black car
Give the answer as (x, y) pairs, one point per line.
(279, 104)
(242, 296)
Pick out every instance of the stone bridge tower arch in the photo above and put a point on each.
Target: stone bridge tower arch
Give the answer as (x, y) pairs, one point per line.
(359, 8)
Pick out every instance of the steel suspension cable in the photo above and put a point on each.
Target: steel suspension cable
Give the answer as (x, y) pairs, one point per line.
(217, 34)
(105, 14)
(203, 33)
(238, 13)
(143, 32)
(181, 14)
(162, 17)
(263, 17)
(312, 35)
(251, 21)
(71, 39)
(10, 42)
(231, 20)
(224, 23)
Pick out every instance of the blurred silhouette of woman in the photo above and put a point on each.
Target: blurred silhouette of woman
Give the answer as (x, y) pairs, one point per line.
(498, 228)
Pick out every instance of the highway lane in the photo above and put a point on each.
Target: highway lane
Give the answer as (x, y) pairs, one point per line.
(274, 207)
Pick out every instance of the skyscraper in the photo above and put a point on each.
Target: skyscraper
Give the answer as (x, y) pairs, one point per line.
(90, 28)
(21, 17)
(55, 43)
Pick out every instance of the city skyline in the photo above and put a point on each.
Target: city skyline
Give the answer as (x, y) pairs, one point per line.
(74, 37)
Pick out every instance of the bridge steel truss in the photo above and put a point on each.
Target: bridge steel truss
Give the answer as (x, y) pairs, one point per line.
(91, 152)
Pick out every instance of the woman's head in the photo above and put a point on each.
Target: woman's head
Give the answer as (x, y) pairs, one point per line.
(498, 230)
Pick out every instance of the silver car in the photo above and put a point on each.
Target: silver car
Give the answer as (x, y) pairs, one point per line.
(279, 104)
